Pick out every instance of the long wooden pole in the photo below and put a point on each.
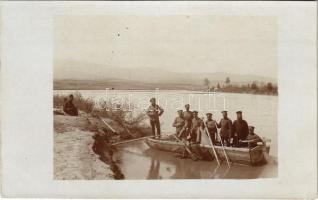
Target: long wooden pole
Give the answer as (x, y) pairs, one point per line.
(214, 152)
(186, 148)
(111, 128)
(133, 140)
(137, 139)
(225, 154)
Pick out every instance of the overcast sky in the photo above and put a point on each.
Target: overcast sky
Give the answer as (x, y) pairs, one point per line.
(234, 44)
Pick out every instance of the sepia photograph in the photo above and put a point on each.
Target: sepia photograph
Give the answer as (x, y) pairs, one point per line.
(165, 97)
(152, 99)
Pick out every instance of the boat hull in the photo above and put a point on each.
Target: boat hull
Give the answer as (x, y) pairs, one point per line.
(247, 156)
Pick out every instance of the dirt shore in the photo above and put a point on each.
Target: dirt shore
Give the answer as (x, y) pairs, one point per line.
(74, 157)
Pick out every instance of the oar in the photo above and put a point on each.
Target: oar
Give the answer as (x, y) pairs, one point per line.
(137, 139)
(113, 130)
(133, 140)
(214, 152)
(193, 156)
(225, 154)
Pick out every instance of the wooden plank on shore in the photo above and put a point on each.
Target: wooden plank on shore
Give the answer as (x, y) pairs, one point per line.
(111, 128)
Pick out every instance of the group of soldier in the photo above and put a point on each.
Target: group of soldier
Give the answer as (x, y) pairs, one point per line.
(189, 126)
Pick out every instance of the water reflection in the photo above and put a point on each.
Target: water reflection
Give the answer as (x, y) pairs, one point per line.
(138, 161)
(154, 169)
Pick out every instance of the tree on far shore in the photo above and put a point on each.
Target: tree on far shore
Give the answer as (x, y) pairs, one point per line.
(254, 86)
(227, 80)
(218, 86)
(269, 86)
(206, 82)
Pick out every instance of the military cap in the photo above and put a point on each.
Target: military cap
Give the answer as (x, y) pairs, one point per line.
(152, 99)
(251, 127)
(239, 112)
(195, 111)
(224, 111)
(180, 111)
(208, 114)
(186, 105)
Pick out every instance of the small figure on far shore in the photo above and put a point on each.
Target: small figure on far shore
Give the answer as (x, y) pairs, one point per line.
(211, 125)
(178, 122)
(226, 129)
(154, 111)
(239, 129)
(69, 108)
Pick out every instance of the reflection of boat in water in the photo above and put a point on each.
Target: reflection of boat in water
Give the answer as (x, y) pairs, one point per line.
(243, 155)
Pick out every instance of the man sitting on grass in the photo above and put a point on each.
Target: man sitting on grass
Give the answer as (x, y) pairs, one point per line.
(69, 108)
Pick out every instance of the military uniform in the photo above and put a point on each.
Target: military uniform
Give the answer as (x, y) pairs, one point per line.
(179, 124)
(254, 137)
(239, 131)
(226, 128)
(197, 123)
(212, 129)
(153, 112)
(187, 116)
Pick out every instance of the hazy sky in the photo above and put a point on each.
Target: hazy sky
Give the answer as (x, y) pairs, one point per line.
(235, 44)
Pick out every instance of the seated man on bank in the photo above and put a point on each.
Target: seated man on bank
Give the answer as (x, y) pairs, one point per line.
(252, 138)
(69, 107)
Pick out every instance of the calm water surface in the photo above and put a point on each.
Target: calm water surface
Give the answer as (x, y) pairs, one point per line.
(139, 162)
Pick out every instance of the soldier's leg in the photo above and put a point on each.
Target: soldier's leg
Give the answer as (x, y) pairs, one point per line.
(158, 127)
(212, 135)
(234, 140)
(198, 136)
(152, 124)
(227, 139)
(222, 139)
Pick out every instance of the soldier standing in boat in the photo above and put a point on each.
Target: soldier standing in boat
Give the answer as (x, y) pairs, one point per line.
(154, 111)
(239, 129)
(187, 116)
(211, 126)
(196, 126)
(226, 129)
(179, 122)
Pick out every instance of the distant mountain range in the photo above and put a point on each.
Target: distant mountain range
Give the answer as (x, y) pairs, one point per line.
(81, 71)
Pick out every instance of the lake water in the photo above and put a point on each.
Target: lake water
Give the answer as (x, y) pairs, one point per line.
(259, 111)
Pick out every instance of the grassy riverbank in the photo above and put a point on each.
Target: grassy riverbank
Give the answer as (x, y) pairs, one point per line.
(82, 144)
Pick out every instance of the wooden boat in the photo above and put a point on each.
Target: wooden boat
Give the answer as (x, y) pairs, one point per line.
(168, 144)
(242, 155)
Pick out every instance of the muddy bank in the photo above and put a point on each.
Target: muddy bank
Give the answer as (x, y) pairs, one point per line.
(81, 151)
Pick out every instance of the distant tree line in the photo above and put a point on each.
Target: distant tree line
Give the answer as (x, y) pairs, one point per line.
(255, 87)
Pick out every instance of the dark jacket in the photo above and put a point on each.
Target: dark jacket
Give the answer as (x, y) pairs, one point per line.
(211, 125)
(226, 127)
(240, 129)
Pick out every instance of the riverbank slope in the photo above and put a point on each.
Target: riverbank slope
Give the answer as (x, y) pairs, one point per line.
(74, 157)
